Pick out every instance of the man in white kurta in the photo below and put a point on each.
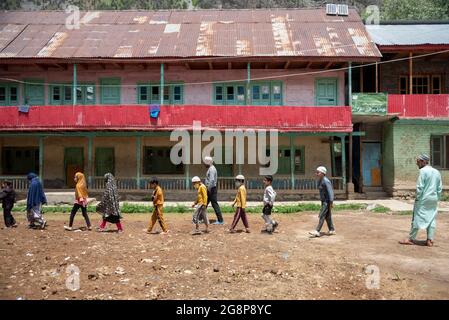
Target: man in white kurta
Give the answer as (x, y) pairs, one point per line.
(428, 192)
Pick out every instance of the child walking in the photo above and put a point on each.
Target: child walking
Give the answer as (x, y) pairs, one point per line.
(109, 206)
(158, 203)
(269, 196)
(8, 197)
(327, 202)
(200, 213)
(240, 202)
(80, 201)
(35, 199)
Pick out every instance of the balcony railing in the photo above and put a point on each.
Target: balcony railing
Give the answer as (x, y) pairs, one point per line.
(419, 105)
(20, 183)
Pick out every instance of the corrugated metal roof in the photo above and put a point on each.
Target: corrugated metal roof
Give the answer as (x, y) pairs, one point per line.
(153, 34)
(409, 34)
(137, 117)
(430, 106)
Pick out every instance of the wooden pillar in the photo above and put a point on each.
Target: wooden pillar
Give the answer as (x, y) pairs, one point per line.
(161, 90)
(41, 160)
(292, 161)
(138, 159)
(350, 83)
(74, 84)
(361, 79)
(410, 79)
(248, 84)
(90, 167)
(343, 161)
(377, 77)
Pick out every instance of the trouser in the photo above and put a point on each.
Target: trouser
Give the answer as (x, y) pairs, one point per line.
(200, 215)
(430, 231)
(240, 213)
(213, 198)
(266, 216)
(9, 219)
(325, 214)
(34, 215)
(75, 208)
(118, 224)
(158, 215)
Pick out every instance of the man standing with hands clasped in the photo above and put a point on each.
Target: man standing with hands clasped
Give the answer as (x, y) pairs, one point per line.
(211, 184)
(327, 202)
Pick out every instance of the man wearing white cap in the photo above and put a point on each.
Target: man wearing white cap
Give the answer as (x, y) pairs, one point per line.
(428, 192)
(211, 184)
(327, 200)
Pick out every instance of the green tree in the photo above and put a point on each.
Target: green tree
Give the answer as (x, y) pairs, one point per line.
(414, 10)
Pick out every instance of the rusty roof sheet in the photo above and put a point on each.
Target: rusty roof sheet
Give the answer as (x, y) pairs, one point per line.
(183, 34)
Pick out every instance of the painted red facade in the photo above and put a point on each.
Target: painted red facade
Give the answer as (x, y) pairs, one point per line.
(137, 117)
(419, 105)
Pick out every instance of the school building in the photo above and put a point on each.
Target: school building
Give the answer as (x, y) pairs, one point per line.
(79, 98)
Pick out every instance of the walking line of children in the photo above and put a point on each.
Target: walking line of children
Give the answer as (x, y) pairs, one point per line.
(110, 210)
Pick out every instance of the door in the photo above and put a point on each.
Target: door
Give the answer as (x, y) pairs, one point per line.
(73, 163)
(371, 164)
(326, 92)
(34, 94)
(104, 161)
(110, 91)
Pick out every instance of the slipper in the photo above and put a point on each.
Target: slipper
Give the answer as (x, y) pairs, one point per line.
(406, 242)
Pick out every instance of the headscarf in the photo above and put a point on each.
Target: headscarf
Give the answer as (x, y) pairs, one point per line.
(36, 195)
(109, 205)
(81, 186)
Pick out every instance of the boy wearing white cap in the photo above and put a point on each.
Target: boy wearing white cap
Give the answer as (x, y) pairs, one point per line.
(200, 203)
(327, 200)
(240, 202)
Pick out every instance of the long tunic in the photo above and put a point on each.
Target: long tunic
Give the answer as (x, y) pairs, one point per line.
(428, 192)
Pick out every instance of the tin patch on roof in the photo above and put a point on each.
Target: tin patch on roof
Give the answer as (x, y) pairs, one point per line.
(172, 28)
(124, 52)
(140, 19)
(203, 47)
(243, 47)
(281, 36)
(57, 39)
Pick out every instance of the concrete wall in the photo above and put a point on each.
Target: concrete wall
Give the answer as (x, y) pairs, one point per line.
(409, 140)
(297, 90)
(391, 72)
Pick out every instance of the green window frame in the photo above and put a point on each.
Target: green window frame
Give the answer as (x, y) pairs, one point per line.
(148, 93)
(267, 93)
(156, 160)
(104, 161)
(110, 90)
(9, 94)
(284, 157)
(62, 94)
(439, 146)
(34, 92)
(229, 93)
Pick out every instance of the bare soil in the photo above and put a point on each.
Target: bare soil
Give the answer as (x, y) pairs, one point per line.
(285, 265)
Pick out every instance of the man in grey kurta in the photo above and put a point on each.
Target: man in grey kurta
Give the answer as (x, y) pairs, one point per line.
(211, 184)
(428, 192)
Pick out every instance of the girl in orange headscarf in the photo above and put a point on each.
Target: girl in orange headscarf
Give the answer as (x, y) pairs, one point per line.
(80, 201)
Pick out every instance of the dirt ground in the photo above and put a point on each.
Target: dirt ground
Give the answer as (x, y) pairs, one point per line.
(285, 265)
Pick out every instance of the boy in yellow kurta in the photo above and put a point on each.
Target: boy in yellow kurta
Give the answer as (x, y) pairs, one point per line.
(240, 203)
(158, 202)
(201, 206)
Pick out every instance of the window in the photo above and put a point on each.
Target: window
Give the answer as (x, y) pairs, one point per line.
(266, 93)
(284, 160)
(9, 94)
(230, 94)
(157, 161)
(61, 94)
(149, 93)
(20, 160)
(104, 161)
(421, 84)
(440, 151)
(110, 89)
